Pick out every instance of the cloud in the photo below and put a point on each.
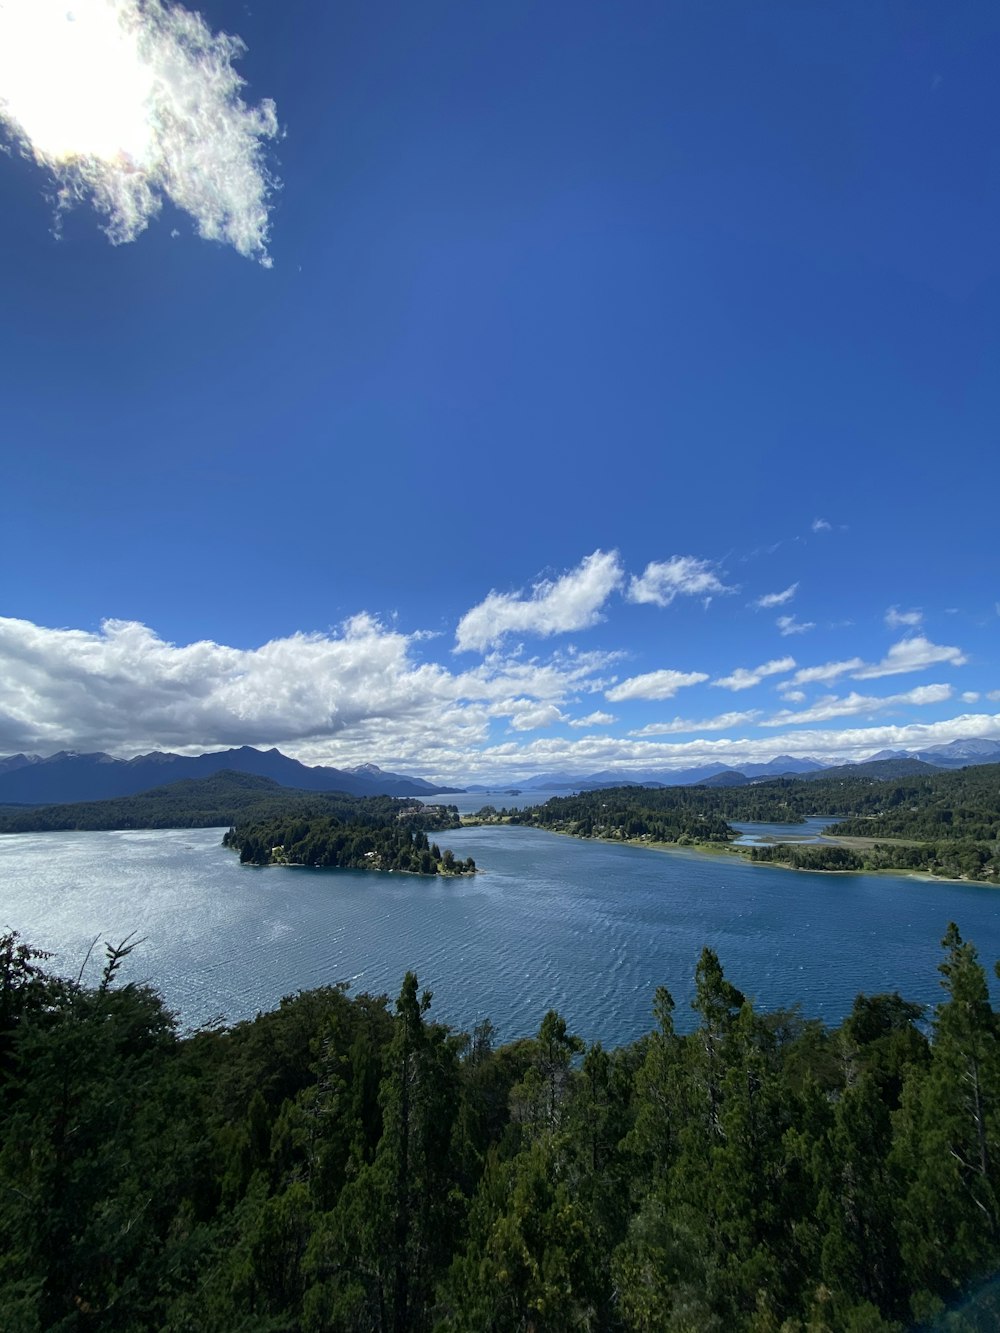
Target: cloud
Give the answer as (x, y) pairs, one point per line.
(530, 715)
(832, 706)
(353, 696)
(826, 672)
(744, 677)
(912, 654)
(555, 607)
(793, 696)
(130, 102)
(789, 625)
(820, 525)
(771, 599)
(970, 697)
(722, 722)
(365, 693)
(896, 619)
(661, 581)
(597, 719)
(654, 685)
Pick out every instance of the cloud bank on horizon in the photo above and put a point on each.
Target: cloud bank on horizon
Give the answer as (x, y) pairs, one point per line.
(369, 691)
(126, 103)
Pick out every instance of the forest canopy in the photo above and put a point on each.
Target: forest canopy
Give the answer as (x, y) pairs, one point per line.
(346, 1163)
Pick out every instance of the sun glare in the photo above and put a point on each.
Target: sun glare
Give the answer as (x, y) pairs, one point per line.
(74, 81)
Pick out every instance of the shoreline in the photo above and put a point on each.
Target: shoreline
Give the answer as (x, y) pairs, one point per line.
(742, 853)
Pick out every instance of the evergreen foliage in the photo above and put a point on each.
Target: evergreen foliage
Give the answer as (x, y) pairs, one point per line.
(395, 840)
(950, 821)
(342, 1164)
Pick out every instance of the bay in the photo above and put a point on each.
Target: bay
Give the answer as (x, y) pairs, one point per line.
(587, 928)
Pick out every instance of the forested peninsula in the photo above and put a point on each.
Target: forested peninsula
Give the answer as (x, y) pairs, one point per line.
(945, 824)
(273, 825)
(397, 843)
(347, 1164)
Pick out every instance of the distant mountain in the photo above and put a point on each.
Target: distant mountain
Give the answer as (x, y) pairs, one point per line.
(730, 778)
(959, 754)
(68, 776)
(667, 777)
(894, 763)
(223, 799)
(14, 761)
(883, 769)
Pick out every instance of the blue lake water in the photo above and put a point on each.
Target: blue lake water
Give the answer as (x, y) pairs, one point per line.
(552, 922)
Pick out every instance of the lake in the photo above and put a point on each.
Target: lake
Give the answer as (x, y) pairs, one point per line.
(587, 928)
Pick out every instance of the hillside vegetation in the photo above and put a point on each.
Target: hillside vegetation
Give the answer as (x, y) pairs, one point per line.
(347, 1164)
(946, 823)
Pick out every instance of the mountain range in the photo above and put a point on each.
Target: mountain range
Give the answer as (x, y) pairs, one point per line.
(68, 776)
(30, 779)
(956, 754)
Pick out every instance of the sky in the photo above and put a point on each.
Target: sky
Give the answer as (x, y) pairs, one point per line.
(489, 390)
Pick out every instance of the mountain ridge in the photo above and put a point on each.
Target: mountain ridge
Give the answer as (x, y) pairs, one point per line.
(69, 776)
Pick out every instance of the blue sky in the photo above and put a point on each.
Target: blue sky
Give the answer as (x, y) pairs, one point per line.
(566, 386)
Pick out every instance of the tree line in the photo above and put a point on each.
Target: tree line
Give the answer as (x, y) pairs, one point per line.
(343, 1163)
(948, 823)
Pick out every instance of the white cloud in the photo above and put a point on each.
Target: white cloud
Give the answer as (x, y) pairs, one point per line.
(789, 625)
(912, 654)
(354, 696)
(686, 575)
(654, 685)
(970, 697)
(896, 619)
(828, 671)
(722, 722)
(597, 719)
(771, 599)
(793, 696)
(557, 606)
(832, 706)
(364, 693)
(128, 102)
(530, 715)
(744, 677)
(820, 525)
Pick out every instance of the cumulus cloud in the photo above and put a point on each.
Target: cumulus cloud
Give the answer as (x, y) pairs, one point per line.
(789, 625)
(654, 685)
(365, 693)
(347, 697)
(597, 719)
(832, 706)
(129, 102)
(745, 677)
(682, 575)
(820, 525)
(771, 599)
(721, 722)
(530, 715)
(558, 606)
(912, 654)
(826, 671)
(896, 619)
